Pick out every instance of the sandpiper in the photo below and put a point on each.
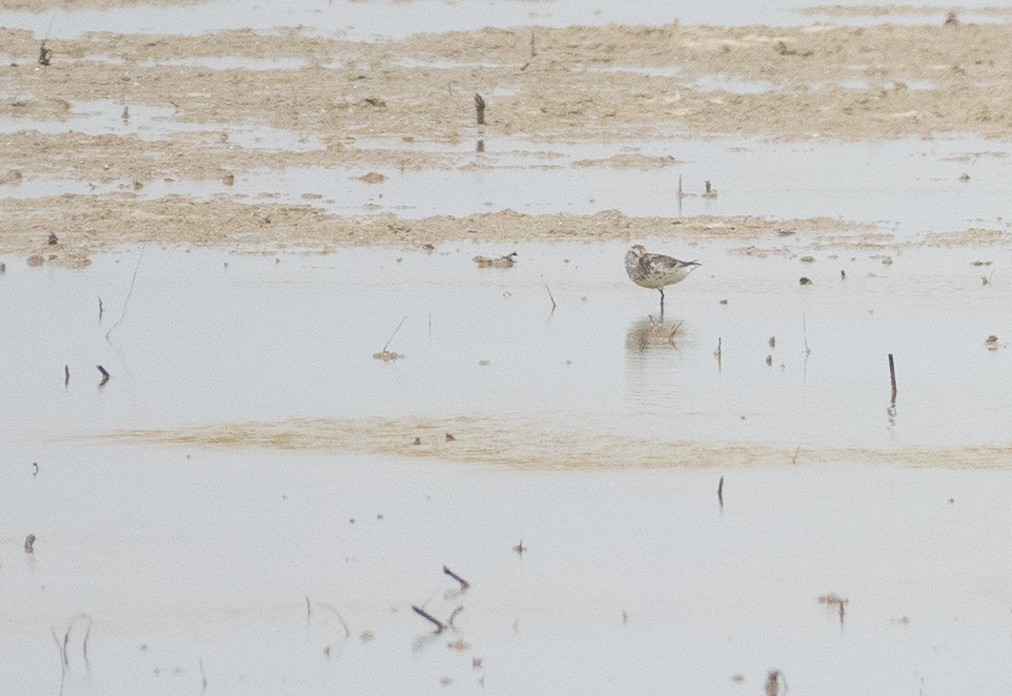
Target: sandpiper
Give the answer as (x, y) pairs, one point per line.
(656, 271)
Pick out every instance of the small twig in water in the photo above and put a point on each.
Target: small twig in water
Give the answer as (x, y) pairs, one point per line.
(203, 677)
(550, 296)
(720, 492)
(387, 355)
(464, 584)
(101, 309)
(105, 375)
(892, 378)
(421, 612)
(130, 292)
(66, 375)
(385, 345)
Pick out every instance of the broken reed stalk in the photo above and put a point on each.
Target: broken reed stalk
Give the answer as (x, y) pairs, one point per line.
(479, 105)
(130, 292)
(892, 377)
(550, 296)
(720, 492)
(440, 627)
(387, 344)
(464, 584)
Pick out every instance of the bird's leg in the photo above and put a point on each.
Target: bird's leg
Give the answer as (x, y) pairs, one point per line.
(662, 302)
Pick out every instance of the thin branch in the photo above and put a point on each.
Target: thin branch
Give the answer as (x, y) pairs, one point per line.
(550, 296)
(385, 345)
(130, 292)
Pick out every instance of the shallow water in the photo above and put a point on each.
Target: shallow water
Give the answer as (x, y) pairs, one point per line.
(198, 565)
(293, 336)
(390, 19)
(195, 562)
(908, 186)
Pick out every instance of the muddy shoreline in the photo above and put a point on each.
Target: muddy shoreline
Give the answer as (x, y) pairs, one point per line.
(610, 84)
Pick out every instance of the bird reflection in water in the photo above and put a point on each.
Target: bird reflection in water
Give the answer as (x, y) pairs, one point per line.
(653, 332)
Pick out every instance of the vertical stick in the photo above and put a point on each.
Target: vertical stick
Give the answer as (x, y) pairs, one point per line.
(479, 105)
(720, 492)
(892, 377)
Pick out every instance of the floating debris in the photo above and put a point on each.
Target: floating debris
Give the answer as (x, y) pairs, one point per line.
(805, 281)
(506, 261)
(30, 543)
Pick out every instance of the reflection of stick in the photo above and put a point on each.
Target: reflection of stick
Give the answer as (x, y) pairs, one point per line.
(892, 377)
(464, 584)
(421, 612)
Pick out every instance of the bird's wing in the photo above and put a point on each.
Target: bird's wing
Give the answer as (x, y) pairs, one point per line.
(665, 263)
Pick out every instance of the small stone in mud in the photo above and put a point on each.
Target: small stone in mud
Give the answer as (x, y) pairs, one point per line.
(450, 437)
(805, 281)
(807, 259)
(228, 179)
(53, 239)
(417, 441)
